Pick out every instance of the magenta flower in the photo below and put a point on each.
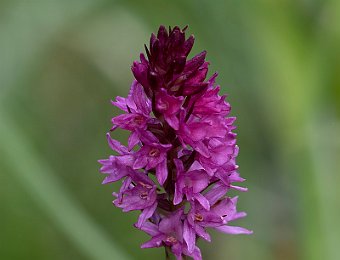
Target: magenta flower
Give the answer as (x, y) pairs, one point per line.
(169, 107)
(181, 134)
(152, 155)
(190, 184)
(169, 232)
(138, 108)
(138, 193)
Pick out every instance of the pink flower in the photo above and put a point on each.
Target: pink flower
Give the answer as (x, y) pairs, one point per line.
(181, 152)
(152, 155)
(190, 184)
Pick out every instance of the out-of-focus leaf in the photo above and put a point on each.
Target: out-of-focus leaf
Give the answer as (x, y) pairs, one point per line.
(34, 175)
(26, 29)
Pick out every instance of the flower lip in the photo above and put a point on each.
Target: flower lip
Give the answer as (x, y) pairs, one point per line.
(154, 152)
(198, 217)
(171, 239)
(148, 186)
(143, 195)
(163, 106)
(139, 119)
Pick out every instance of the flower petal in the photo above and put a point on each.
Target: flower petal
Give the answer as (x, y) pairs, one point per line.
(154, 242)
(202, 200)
(150, 229)
(218, 191)
(189, 236)
(234, 230)
(162, 172)
(147, 213)
(133, 140)
(172, 120)
(178, 196)
(140, 162)
(202, 233)
(116, 146)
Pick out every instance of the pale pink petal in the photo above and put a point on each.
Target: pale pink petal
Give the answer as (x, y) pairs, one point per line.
(115, 145)
(234, 230)
(189, 236)
(154, 242)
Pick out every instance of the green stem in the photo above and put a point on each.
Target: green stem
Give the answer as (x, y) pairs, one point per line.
(167, 253)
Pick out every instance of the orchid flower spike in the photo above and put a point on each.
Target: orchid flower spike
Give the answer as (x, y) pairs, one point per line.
(180, 159)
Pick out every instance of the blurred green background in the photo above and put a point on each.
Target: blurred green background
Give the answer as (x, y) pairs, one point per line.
(62, 61)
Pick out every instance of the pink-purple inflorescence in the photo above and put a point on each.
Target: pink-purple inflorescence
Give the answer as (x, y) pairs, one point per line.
(179, 162)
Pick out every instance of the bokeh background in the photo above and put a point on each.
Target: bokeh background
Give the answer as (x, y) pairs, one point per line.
(62, 61)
